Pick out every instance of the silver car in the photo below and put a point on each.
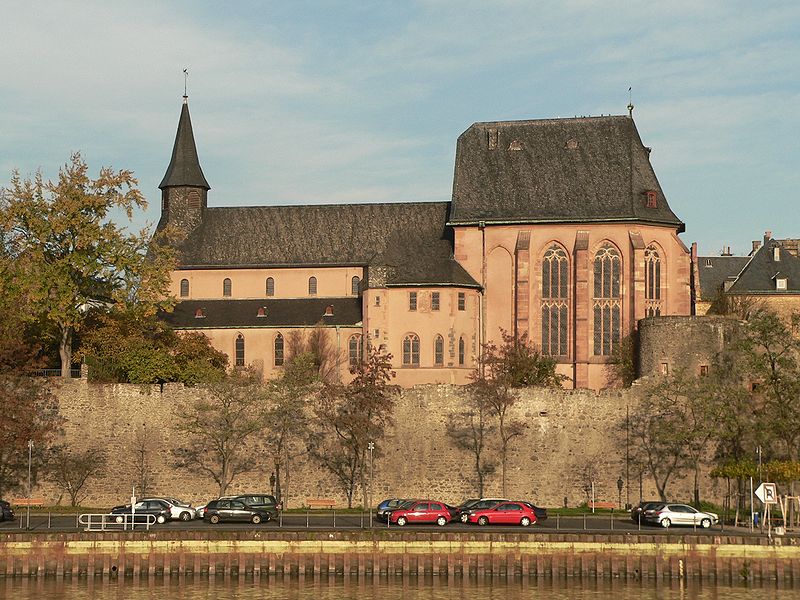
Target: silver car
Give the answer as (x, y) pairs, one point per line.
(667, 514)
(179, 510)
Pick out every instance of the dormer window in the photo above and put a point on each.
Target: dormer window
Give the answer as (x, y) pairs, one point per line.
(708, 262)
(262, 311)
(652, 199)
(776, 253)
(199, 314)
(329, 310)
(493, 137)
(781, 283)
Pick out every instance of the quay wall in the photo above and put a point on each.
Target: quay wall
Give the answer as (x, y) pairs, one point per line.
(254, 553)
(572, 438)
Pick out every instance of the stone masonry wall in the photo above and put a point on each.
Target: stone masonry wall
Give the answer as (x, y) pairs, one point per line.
(570, 435)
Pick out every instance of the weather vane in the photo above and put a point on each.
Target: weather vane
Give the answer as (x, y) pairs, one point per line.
(630, 102)
(185, 82)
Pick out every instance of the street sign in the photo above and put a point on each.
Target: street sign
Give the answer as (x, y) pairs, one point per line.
(767, 493)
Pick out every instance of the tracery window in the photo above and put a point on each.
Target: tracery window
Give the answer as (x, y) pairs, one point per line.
(411, 350)
(240, 350)
(555, 301)
(354, 348)
(607, 300)
(226, 287)
(652, 282)
(184, 288)
(438, 351)
(278, 350)
(270, 286)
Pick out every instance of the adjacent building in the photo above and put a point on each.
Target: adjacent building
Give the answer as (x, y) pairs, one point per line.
(557, 229)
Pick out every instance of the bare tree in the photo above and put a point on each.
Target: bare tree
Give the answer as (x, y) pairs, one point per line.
(470, 430)
(71, 470)
(218, 431)
(316, 343)
(144, 441)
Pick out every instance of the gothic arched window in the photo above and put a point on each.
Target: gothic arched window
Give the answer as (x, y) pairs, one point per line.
(278, 350)
(240, 350)
(184, 288)
(355, 286)
(607, 299)
(270, 286)
(312, 286)
(226, 287)
(555, 301)
(411, 350)
(652, 281)
(354, 348)
(438, 351)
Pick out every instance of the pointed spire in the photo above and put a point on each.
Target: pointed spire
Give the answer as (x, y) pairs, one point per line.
(184, 168)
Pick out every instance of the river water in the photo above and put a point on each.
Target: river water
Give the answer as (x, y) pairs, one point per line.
(245, 588)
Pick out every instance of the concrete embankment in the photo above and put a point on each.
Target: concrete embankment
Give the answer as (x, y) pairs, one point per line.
(373, 553)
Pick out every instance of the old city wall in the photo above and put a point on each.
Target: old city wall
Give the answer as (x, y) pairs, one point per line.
(571, 438)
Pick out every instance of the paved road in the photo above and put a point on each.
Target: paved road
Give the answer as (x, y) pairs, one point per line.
(329, 521)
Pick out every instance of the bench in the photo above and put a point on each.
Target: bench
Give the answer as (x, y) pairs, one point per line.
(27, 501)
(611, 505)
(320, 503)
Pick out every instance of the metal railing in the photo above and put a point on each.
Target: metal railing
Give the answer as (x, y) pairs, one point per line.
(120, 522)
(73, 373)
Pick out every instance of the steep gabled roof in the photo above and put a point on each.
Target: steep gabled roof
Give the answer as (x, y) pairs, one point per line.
(556, 170)
(761, 272)
(410, 240)
(279, 312)
(184, 167)
(714, 271)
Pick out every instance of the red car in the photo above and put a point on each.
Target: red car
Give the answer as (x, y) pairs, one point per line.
(422, 511)
(505, 513)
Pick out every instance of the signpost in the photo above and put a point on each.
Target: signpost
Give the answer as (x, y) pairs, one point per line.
(768, 494)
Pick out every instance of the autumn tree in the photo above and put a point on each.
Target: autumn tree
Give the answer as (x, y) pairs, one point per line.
(317, 344)
(71, 470)
(218, 432)
(67, 255)
(349, 417)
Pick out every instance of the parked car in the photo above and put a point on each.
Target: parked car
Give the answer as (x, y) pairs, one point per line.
(179, 510)
(217, 511)
(636, 511)
(160, 509)
(6, 512)
(481, 504)
(541, 513)
(266, 502)
(387, 506)
(668, 514)
(421, 511)
(504, 513)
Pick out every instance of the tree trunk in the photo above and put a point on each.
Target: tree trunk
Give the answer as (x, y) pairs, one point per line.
(278, 479)
(65, 350)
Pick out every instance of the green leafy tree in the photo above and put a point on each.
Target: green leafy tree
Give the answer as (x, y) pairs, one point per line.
(67, 254)
(519, 363)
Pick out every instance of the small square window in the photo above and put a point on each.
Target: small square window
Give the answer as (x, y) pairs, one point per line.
(703, 370)
(377, 333)
(652, 199)
(412, 301)
(377, 300)
(665, 368)
(781, 283)
(434, 300)
(462, 301)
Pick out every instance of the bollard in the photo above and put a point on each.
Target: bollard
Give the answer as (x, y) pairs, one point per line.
(584, 521)
(48, 520)
(334, 518)
(362, 520)
(612, 520)
(280, 519)
(306, 518)
(558, 521)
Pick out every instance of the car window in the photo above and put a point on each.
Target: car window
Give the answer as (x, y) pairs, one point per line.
(237, 504)
(224, 504)
(393, 503)
(436, 506)
(513, 507)
(407, 504)
(421, 506)
(140, 505)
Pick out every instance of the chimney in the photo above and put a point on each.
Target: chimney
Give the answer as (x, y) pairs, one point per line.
(726, 251)
(756, 246)
(767, 237)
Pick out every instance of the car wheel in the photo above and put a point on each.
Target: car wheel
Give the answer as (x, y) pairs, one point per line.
(401, 521)
(441, 521)
(185, 516)
(464, 518)
(483, 520)
(214, 519)
(255, 519)
(161, 519)
(665, 523)
(119, 519)
(525, 521)
(705, 523)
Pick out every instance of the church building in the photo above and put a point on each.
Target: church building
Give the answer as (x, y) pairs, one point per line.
(557, 229)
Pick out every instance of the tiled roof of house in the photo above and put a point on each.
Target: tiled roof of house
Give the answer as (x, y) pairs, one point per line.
(279, 312)
(184, 167)
(411, 240)
(762, 271)
(715, 270)
(584, 170)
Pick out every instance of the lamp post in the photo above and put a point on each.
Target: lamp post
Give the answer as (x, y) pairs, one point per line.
(30, 460)
(272, 484)
(620, 484)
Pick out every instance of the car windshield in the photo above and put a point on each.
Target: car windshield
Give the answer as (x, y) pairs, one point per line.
(407, 504)
(470, 503)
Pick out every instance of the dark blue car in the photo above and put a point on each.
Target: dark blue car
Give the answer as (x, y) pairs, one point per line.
(387, 506)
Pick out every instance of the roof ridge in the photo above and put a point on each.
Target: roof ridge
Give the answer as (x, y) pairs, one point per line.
(331, 205)
(550, 120)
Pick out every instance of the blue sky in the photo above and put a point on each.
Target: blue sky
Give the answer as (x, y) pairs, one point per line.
(327, 102)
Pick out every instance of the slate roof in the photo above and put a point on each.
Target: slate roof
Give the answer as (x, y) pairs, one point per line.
(291, 312)
(583, 170)
(184, 167)
(410, 239)
(715, 270)
(760, 273)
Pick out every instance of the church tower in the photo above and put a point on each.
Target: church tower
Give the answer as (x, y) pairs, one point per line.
(184, 189)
